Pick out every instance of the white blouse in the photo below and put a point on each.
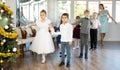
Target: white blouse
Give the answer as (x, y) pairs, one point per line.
(95, 24)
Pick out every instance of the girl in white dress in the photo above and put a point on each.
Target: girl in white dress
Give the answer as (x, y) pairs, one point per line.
(43, 43)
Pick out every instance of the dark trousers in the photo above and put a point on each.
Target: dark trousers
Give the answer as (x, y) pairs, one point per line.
(93, 38)
(84, 42)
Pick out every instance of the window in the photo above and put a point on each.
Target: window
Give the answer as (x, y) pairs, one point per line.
(36, 11)
(93, 7)
(108, 6)
(79, 7)
(42, 5)
(63, 7)
(37, 8)
(118, 11)
(26, 11)
(31, 10)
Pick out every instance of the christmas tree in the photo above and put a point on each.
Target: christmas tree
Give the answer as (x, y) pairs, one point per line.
(9, 50)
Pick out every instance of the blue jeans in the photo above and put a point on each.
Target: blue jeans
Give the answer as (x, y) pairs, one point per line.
(65, 47)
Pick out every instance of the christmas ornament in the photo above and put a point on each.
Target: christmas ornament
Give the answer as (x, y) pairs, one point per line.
(4, 40)
(4, 21)
(1, 10)
(8, 50)
(2, 43)
(6, 27)
(13, 28)
(16, 40)
(12, 16)
(14, 49)
(1, 61)
(12, 25)
(0, 17)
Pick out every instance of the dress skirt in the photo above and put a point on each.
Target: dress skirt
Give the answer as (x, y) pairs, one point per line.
(42, 43)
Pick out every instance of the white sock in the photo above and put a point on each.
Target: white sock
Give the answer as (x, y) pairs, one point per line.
(43, 58)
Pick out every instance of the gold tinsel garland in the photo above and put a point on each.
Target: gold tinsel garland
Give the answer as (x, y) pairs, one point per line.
(8, 34)
(6, 8)
(10, 54)
(17, 54)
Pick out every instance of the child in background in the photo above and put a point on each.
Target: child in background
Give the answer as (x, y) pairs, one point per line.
(95, 24)
(58, 38)
(66, 31)
(76, 34)
(57, 29)
(84, 32)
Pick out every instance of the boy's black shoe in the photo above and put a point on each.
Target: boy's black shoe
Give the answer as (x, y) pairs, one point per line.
(60, 56)
(60, 52)
(62, 63)
(68, 64)
(81, 55)
(65, 55)
(91, 49)
(86, 57)
(94, 48)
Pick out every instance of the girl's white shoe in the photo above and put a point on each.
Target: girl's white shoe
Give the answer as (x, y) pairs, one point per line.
(43, 58)
(43, 61)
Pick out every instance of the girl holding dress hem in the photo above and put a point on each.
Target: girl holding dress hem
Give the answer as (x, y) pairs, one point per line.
(43, 43)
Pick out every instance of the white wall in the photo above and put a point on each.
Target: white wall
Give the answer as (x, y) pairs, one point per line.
(113, 33)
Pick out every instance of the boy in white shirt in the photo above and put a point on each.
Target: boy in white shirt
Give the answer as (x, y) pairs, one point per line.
(95, 24)
(66, 31)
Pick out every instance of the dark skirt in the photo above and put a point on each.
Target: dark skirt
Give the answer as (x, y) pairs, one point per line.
(76, 32)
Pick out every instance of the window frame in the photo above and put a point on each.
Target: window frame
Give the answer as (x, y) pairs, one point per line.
(34, 3)
(116, 10)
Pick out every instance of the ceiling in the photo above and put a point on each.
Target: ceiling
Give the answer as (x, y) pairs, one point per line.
(23, 1)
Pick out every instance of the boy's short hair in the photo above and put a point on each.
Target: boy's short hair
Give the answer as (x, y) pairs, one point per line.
(65, 14)
(95, 13)
(77, 17)
(43, 11)
(86, 11)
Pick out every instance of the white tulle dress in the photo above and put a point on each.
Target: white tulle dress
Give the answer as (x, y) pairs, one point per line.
(43, 43)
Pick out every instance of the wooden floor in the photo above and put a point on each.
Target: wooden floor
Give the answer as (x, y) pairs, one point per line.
(106, 58)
